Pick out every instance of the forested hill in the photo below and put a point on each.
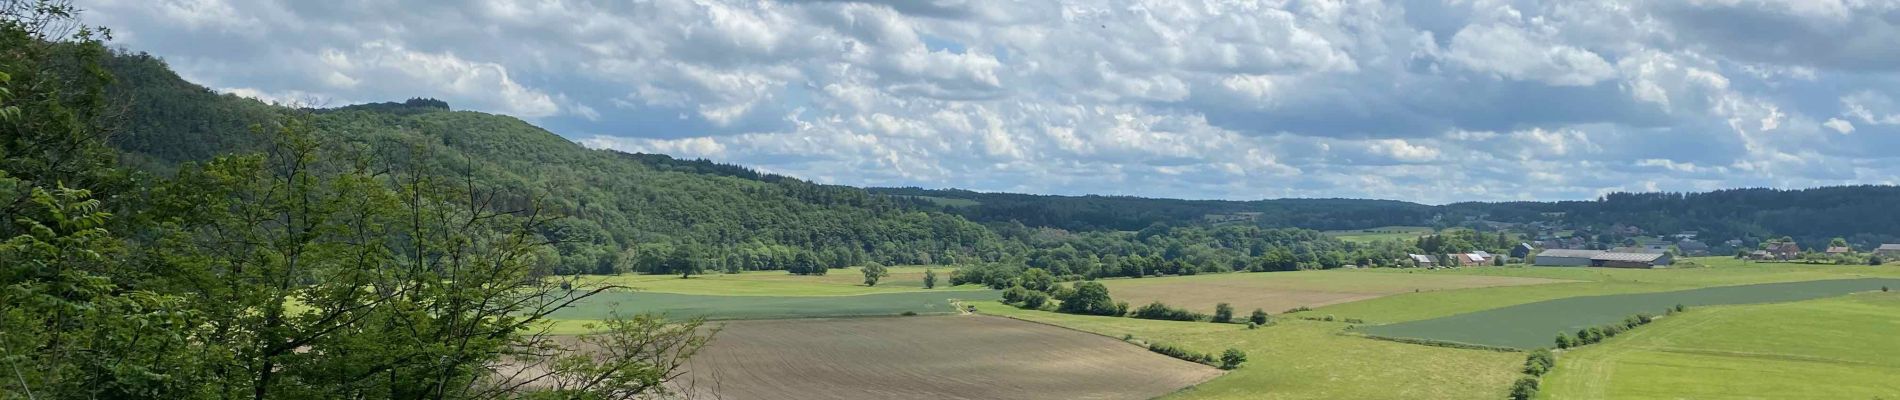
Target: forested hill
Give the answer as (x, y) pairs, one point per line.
(624, 209)
(627, 206)
(1132, 213)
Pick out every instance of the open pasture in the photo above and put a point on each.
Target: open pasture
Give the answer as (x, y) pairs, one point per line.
(1297, 359)
(1380, 233)
(1536, 325)
(1691, 274)
(1834, 348)
(951, 357)
(679, 306)
(837, 282)
(1280, 291)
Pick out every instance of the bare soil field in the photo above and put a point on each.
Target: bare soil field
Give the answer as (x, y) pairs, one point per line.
(1277, 292)
(945, 357)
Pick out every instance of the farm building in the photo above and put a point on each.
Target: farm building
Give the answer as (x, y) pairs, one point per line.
(1475, 258)
(1522, 250)
(1839, 250)
(1785, 250)
(1423, 261)
(1630, 260)
(1566, 258)
(1693, 247)
(1888, 250)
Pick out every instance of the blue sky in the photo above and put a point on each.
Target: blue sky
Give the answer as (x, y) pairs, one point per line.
(1422, 101)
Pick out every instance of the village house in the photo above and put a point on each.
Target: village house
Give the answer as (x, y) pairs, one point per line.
(1839, 250)
(1423, 261)
(1692, 247)
(1784, 250)
(1889, 250)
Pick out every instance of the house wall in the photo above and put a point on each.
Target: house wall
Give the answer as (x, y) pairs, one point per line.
(1563, 261)
(1624, 264)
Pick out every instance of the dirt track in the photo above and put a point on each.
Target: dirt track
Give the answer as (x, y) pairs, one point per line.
(948, 357)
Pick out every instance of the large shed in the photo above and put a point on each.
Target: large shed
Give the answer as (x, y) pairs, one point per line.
(1566, 257)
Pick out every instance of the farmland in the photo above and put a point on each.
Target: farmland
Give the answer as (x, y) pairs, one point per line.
(1534, 325)
(1380, 233)
(838, 282)
(1296, 359)
(605, 304)
(1280, 291)
(962, 357)
(1836, 348)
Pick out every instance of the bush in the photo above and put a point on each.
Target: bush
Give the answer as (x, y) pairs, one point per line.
(1015, 294)
(1524, 389)
(909, 313)
(1297, 309)
(1181, 353)
(1539, 362)
(1223, 313)
(1564, 341)
(1251, 325)
(1035, 300)
(1259, 317)
(1159, 311)
(1232, 358)
(1091, 298)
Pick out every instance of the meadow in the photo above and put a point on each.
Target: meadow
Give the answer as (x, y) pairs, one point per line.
(1833, 348)
(1279, 291)
(606, 304)
(1297, 359)
(1536, 325)
(946, 357)
(1380, 233)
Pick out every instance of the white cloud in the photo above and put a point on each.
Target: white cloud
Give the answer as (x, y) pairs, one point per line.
(1476, 99)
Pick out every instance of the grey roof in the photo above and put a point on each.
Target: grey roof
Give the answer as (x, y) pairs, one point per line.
(1421, 258)
(1569, 253)
(1890, 247)
(1631, 257)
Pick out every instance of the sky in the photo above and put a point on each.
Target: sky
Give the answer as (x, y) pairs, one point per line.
(1425, 101)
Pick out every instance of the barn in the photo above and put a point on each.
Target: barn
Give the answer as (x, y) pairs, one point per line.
(1631, 260)
(1566, 257)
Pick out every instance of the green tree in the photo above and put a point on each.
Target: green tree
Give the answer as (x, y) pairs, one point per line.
(873, 272)
(1232, 358)
(1259, 317)
(1539, 362)
(1090, 298)
(930, 279)
(1524, 389)
(1223, 313)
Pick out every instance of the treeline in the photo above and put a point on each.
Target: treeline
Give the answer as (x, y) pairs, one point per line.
(1862, 214)
(1127, 213)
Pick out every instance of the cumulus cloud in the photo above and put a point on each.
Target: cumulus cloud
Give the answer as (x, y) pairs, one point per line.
(1422, 101)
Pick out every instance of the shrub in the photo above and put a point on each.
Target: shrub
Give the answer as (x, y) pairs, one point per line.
(1015, 294)
(1156, 310)
(1564, 341)
(1259, 317)
(1091, 298)
(1232, 358)
(1180, 353)
(909, 313)
(1251, 325)
(930, 279)
(1035, 300)
(1297, 309)
(1223, 313)
(1539, 362)
(1355, 321)
(1329, 318)
(1524, 389)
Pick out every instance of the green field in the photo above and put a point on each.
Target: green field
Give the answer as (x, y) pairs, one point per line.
(838, 282)
(605, 304)
(1712, 271)
(1835, 348)
(1280, 291)
(1380, 233)
(1296, 359)
(1536, 325)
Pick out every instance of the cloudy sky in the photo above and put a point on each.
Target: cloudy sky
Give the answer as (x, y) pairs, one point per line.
(1429, 101)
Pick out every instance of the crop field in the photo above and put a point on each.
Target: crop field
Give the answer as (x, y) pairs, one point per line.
(1712, 271)
(1834, 348)
(1297, 359)
(1536, 325)
(838, 282)
(606, 304)
(1380, 233)
(954, 357)
(1280, 291)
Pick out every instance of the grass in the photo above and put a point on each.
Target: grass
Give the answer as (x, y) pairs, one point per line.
(837, 282)
(673, 305)
(1536, 325)
(1702, 272)
(1294, 359)
(1279, 291)
(1380, 233)
(1835, 348)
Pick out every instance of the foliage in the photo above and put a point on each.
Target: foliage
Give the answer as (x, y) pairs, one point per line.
(1223, 313)
(1540, 361)
(1091, 298)
(1181, 353)
(1156, 310)
(1232, 358)
(1524, 389)
(930, 279)
(1259, 317)
(873, 272)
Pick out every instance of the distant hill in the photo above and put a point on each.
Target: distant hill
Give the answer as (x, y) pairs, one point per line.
(623, 201)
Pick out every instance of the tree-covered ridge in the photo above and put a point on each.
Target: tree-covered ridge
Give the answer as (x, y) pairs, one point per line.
(1864, 214)
(1127, 213)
